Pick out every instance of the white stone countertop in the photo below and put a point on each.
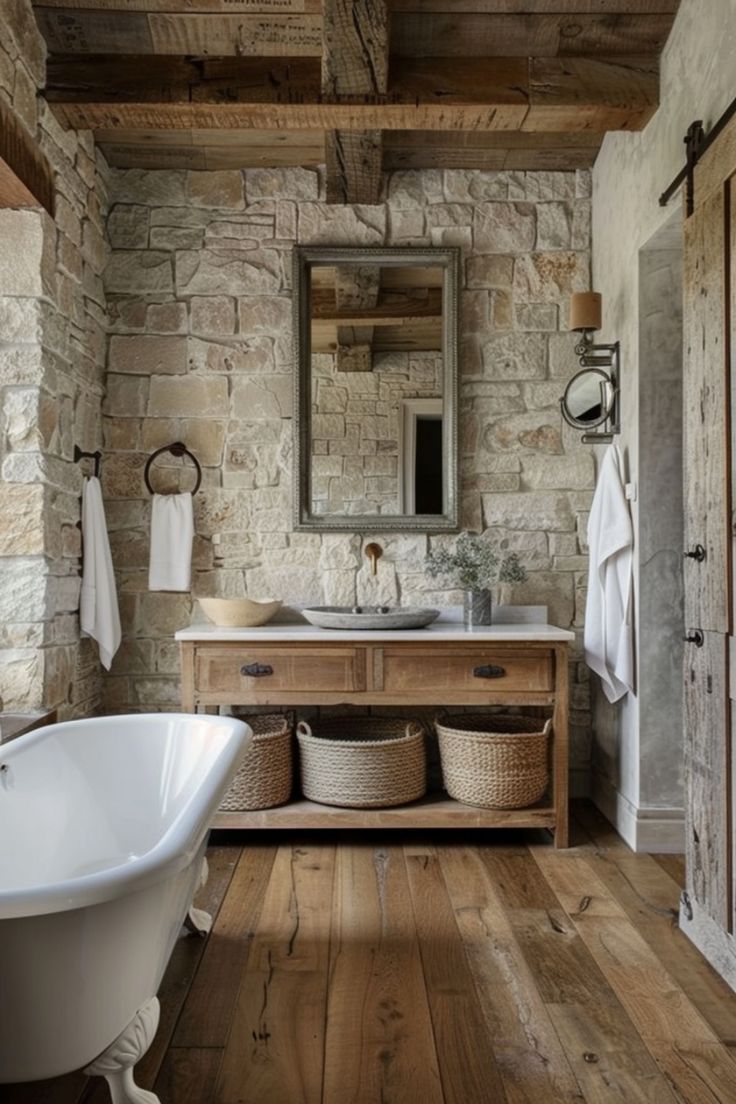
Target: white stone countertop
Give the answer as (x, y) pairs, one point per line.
(448, 626)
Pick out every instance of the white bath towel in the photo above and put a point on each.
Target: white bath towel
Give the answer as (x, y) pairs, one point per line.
(609, 645)
(99, 616)
(172, 534)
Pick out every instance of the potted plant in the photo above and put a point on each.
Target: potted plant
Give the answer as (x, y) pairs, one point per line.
(475, 566)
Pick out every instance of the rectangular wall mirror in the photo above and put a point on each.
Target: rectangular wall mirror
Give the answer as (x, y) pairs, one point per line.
(375, 337)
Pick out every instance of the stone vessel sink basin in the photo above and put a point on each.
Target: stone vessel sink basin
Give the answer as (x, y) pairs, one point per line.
(370, 617)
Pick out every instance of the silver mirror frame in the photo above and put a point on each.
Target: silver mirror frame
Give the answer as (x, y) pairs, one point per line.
(303, 518)
(607, 410)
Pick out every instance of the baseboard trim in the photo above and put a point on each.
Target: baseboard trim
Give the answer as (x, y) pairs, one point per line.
(645, 829)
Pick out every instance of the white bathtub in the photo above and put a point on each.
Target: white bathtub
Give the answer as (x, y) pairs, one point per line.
(103, 826)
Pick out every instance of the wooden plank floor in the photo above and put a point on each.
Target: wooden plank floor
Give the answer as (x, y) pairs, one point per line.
(451, 968)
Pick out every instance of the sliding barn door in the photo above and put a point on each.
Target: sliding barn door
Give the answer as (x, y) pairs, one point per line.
(710, 265)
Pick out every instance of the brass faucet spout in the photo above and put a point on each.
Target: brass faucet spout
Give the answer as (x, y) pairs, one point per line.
(373, 551)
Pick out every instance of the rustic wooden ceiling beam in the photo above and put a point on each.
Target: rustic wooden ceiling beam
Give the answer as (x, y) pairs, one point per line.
(26, 177)
(354, 63)
(291, 31)
(514, 94)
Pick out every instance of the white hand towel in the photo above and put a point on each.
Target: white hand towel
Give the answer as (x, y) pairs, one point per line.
(172, 534)
(609, 644)
(99, 616)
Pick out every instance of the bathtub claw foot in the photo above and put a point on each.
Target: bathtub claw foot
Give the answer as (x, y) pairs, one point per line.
(116, 1063)
(198, 921)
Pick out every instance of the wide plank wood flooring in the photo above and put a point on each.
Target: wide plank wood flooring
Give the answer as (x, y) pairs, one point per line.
(452, 968)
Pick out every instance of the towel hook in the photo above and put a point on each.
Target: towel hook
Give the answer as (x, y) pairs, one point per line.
(96, 456)
(178, 448)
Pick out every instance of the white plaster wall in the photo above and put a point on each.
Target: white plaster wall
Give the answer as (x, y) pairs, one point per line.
(632, 170)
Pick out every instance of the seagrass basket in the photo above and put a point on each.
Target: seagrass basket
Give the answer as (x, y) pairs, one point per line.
(266, 773)
(496, 762)
(362, 762)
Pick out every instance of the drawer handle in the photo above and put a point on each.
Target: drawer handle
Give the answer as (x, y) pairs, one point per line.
(256, 670)
(489, 671)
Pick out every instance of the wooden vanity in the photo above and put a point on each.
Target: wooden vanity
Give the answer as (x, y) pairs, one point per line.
(286, 666)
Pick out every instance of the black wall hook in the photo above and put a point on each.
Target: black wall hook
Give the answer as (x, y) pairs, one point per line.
(96, 456)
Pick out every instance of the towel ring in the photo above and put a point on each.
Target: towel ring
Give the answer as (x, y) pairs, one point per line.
(178, 448)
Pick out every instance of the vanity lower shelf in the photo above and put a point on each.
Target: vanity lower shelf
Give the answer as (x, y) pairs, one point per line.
(434, 811)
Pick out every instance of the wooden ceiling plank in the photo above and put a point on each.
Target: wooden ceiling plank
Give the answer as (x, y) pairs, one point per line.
(446, 7)
(244, 35)
(277, 139)
(89, 31)
(413, 33)
(490, 160)
(212, 7)
(354, 63)
(527, 7)
(417, 34)
(475, 141)
(26, 177)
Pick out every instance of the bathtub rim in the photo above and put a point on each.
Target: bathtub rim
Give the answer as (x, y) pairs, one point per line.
(172, 852)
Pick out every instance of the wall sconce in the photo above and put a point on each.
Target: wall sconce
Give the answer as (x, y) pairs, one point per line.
(592, 397)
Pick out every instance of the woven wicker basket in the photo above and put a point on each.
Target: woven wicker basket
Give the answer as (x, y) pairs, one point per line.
(494, 761)
(362, 762)
(266, 773)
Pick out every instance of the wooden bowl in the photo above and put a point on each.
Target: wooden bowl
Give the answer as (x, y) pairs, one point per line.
(239, 613)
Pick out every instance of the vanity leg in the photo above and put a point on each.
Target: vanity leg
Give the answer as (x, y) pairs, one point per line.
(560, 753)
(188, 703)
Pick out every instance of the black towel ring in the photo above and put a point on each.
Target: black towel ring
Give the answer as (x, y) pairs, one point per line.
(178, 448)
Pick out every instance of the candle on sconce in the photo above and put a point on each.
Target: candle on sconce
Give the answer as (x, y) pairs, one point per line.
(585, 310)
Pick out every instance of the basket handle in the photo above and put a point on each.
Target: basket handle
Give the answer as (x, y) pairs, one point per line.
(547, 726)
(303, 729)
(414, 728)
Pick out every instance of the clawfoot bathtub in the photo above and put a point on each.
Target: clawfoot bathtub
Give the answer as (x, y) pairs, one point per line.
(103, 828)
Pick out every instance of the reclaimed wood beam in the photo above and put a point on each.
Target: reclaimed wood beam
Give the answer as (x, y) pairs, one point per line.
(510, 94)
(354, 63)
(26, 177)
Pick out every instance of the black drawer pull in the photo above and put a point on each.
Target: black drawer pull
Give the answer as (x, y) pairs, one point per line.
(489, 671)
(256, 670)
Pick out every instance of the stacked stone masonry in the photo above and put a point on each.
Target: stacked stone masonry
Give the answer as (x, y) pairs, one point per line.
(198, 290)
(53, 338)
(356, 432)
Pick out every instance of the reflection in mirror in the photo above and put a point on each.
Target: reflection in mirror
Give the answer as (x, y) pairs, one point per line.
(588, 398)
(376, 337)
(376, 373)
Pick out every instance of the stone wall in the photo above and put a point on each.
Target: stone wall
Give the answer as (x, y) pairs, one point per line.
(52, 358)
(198, 289)
(356, 432)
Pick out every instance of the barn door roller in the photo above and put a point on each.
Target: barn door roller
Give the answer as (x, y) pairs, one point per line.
(696, 143)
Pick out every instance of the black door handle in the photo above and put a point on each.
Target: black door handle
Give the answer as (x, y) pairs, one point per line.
(489, 671)
(698, 554)
(256, 670)
(695, 636)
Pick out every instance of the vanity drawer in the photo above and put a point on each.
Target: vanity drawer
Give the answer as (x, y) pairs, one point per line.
(252, 668)
(475, 669)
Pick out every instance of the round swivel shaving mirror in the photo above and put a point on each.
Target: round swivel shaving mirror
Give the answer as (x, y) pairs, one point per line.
(589, 399)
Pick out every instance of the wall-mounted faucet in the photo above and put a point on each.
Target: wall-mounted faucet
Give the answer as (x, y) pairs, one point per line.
(374, 552)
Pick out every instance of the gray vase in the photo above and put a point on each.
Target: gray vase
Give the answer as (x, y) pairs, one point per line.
(477, 608)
